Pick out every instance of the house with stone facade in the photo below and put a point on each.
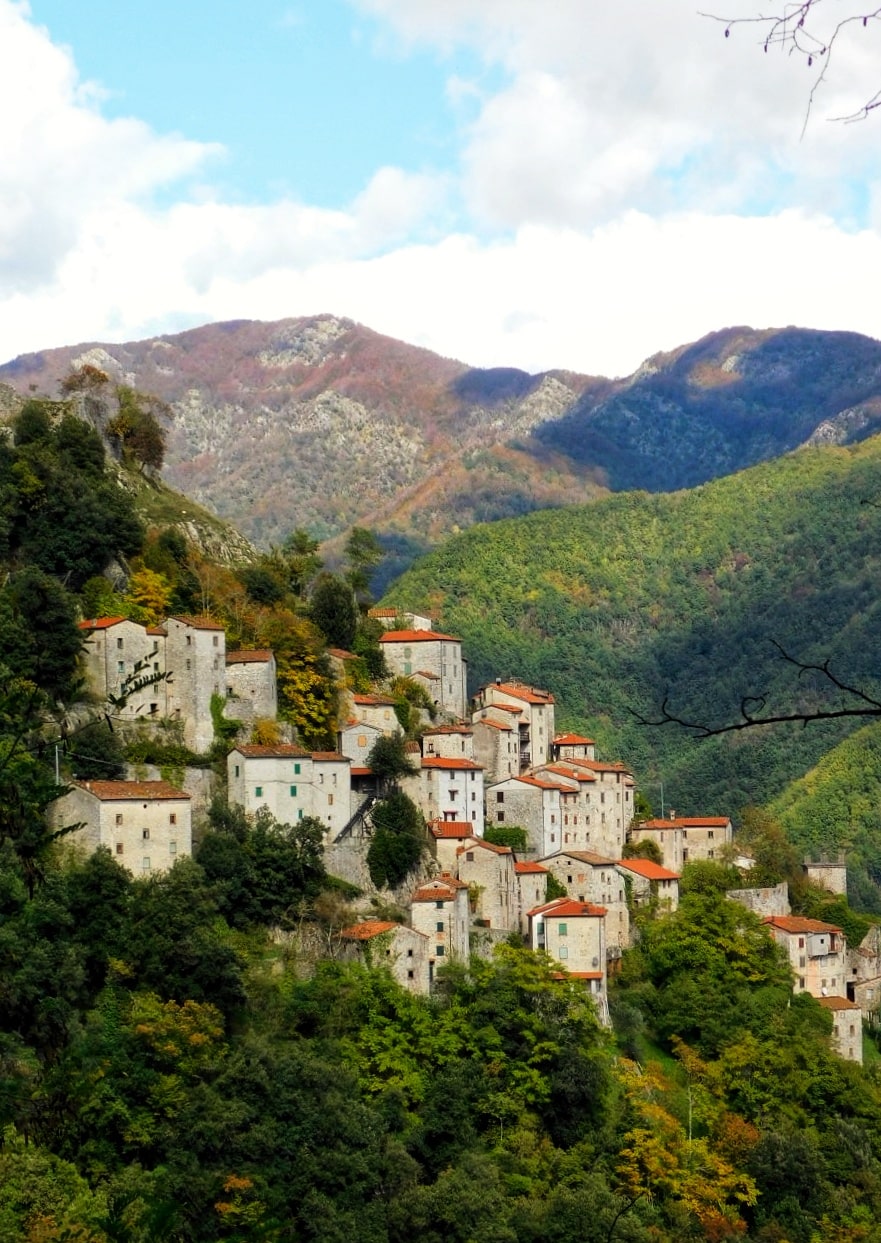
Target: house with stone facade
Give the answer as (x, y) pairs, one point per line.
(574, 935)
(251, 685)
(447, 789)
(595, 879)
(532, 890)
(116, 651)
(291, 783)
(573, 747)
(488, 871)
(397, 619)
(817, 953)
(439, 909)
(529, 803)
(409, 652)
(847, 1027)
(376, 710)
(650, 884)
(449, 742)
(685, 839)
(146, 825)
(533, 710)
(448, 836)
(356, 739)
(404, 951)
(598, 808)
(496, 748)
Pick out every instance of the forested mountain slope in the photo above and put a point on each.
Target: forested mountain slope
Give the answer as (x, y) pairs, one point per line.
(322, 424)
(616, 606)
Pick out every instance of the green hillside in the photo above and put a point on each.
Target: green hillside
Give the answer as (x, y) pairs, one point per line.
(639, 597)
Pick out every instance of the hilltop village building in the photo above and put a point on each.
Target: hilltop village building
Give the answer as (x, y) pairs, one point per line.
(684, 839)
(146, 825)
(529, 712)
(436, 658)
(291, 783)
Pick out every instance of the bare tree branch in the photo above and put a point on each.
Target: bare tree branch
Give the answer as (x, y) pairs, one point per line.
(752, 707)
(794, 30)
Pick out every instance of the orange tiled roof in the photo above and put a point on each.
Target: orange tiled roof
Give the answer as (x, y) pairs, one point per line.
(528, 868)
(799, 924)
(838, 1003)
(137, 790)
(584, 856)
(570, 740)
(270, 751)
(329, 757)
(157, 630)
(569, 908)
(446, 829)
(439, 890)
(370, 928)
(648, 868)
(478, 841)
(494, 725)
(565, 769)
(198, 623)
(528, 694)
(101, 623)
(448, 729)
(416, 636)
(686, 822)
(381, 701)
(341, 654)
(249, 656)
(441, 761)
(537, 781)
(598, 766)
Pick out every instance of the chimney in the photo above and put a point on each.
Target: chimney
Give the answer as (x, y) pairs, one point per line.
(498, 681)
(672, 813)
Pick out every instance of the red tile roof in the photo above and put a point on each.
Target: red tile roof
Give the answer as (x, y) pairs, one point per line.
(838, 1003)
(504, 708)
(370, 928)
(416, 636)
(528, 868)
(568, 740)
(528, 694)
(442, 761)
(439, 891)
(341, 654)
(648, 868)
(250, 656)
(566, 770)
(686, 822)
(447, 729)
(446, 829)
(598, 766)
(569, 908)
(101, 623)
(494, 725)
(537, 781)
(157, 630)
(479, 842)
(136, 790)
(381, 701)
(273, 751)
(584, 856)
(799, 924)
(329, 757)
(426, 673)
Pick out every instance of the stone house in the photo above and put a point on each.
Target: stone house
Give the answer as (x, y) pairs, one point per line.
(488, 871)
(113, 649)
(195, 656)
(378, 943)
(356, 739)
(594, 879)
(376, 710)
(449, 741)
(574, 935)
(847, 1027)
(598, 809)
(291, 783)
(448, 836)
(573, 747)
(684, 839)
(146, 825)
(439, 910)
(817, 953)
(532, 889)
(867, 995)
(495, 747)
(251, 685)
(829, 874)
(529, 803)
(649, 882)
(447, 789)
(763, 900)
(414, 651)
(535, 719)
(392, 619)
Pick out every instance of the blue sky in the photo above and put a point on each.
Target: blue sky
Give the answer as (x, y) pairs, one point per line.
(565, 184)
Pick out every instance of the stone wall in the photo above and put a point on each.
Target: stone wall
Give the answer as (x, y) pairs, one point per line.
(773, 900)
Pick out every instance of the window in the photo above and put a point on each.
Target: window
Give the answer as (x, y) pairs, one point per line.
(439, 926)
(154, 708)
(119, 817)
(439, 905)
(145, 835)
(120, 666)
(237, 770)
(258, 791)
(564, 951)
(172, 818)
(410, 975)
(801, 943)
(215, 640)
(330, 800)
(710, 834)
(409, 953)
(293, 791)
(361, 740)
(300, 814)
(296, 770)
(119, 848)
(469, 855)
(500, 797)
(145, 864)
(119, 645)
(439, 951)
(188, 664)
(189, 640)
(562, 930)
(172, 848)
(155, 666)
(500, 817)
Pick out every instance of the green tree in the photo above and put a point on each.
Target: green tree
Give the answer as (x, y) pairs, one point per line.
(399, 838)
(137, 428)
(333, 610)
(363, 554)
(94, 752)
(389, 760)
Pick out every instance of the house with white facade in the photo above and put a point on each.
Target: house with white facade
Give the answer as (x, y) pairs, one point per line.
(356, 739)
(447, 789)
(650, 883)
(146, 825)
(535, 717)
(573, 747)
(599, 809)
(376, 710)
(685, 839)
(396, 619)
(574, 935)
(380, 943)
(439, 909)
(408, 652)
(251, 685)
(291, 783)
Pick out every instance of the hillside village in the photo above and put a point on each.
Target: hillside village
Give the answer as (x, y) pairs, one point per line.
(586, 864)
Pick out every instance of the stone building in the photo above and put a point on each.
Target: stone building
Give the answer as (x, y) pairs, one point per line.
(376, 710)
(356, 739)
(448, 836)
(529, 803)
(532, 890)
(488, 871)
(650, 883)
(847, 1027)
(598, 808)
(534, 722)
(380, 943)
(439, 909)
(146, 825)
(594, 879)
(574, 935)
(117, 650)
(817, 953)
(496, 748)
(291, 783)
(449, 742)
(251, 685)
(195, 656)
(685, 839)
(409, 652)
(447, 789)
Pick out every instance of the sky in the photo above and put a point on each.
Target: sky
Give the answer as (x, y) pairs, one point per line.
(531, 183)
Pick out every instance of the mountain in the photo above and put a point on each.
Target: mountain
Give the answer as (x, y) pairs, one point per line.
(638, 598)
(322, 423)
